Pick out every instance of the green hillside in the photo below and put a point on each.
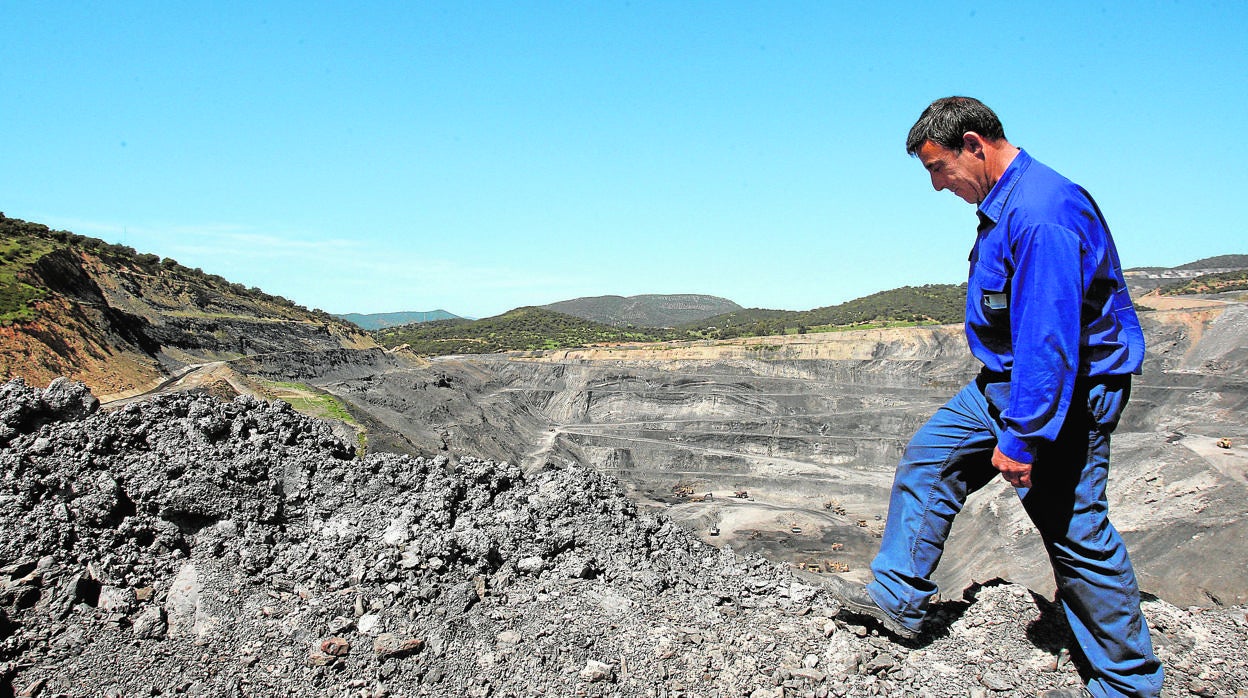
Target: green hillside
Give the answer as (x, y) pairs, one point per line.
(909, 305)
(1225, 261)
(17, 254)
(526, 328)
(1209, 283)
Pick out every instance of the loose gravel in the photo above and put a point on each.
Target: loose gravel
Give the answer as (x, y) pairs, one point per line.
(185, 546)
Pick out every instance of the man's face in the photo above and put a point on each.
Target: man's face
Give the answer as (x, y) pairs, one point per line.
(963, 172)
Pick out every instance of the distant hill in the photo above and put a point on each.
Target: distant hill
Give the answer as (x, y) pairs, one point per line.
(1219, 282)
(1226, 261)
(1208, 275)
(379, 321)
(526, 328)
(1228, 272)
(651, 310)
(919, 305)
(117, 319)
(541, 328)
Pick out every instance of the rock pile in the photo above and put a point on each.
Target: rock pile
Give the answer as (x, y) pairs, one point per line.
(189, 547)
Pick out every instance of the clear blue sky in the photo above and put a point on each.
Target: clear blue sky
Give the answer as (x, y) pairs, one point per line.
(476, 157)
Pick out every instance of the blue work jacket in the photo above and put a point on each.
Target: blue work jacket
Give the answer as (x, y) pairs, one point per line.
(1046, 301)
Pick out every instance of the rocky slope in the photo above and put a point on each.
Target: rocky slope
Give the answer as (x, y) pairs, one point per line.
(189, 547)
(121, 320)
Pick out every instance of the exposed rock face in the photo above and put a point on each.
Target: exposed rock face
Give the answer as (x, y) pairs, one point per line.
(119, 324)
(184, 546)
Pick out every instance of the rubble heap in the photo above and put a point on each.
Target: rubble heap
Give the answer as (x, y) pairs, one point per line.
(189, 547)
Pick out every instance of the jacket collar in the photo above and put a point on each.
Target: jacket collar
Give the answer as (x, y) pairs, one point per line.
(994, 204)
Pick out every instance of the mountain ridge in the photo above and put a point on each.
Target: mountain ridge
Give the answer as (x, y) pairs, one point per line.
(380, 321)
(532, 328)
(645, 310)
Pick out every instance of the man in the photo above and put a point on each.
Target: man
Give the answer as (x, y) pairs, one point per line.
(1048, 315)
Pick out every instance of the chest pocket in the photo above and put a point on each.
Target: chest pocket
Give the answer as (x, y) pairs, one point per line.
(991, 289)
(988, 309)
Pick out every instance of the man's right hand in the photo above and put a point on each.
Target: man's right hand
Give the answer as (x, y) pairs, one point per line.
(1014, 472)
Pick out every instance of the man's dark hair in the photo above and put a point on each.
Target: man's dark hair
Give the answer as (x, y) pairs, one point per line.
(945, 120)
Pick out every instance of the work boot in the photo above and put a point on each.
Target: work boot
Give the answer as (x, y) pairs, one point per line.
(1080, 692)
(855, 600)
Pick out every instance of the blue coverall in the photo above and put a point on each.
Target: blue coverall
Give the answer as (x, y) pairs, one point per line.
(1048, 315)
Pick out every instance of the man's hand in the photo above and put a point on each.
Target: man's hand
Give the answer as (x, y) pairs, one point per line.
(1015, 473)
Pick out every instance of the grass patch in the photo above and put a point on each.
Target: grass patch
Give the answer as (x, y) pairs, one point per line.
(316, 403)
(17, 298)
(321, 407)
(309, 401)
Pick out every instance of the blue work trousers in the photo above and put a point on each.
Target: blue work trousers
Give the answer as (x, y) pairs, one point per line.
(951, 457)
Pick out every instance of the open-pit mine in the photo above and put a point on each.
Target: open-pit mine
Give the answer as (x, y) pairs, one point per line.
(786, 445)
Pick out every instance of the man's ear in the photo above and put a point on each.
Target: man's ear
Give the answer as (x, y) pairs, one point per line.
(973, 143)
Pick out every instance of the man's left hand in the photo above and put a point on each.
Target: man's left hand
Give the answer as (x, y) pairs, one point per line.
(1015, 473)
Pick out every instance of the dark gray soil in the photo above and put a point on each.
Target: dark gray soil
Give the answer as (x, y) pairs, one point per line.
(189, 547)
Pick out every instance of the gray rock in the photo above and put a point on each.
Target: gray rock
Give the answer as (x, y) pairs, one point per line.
(116, 599)
(182, 601)
(813, 675)
(996, 681)
(387, 645)
(596, 671)
(531, 565)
